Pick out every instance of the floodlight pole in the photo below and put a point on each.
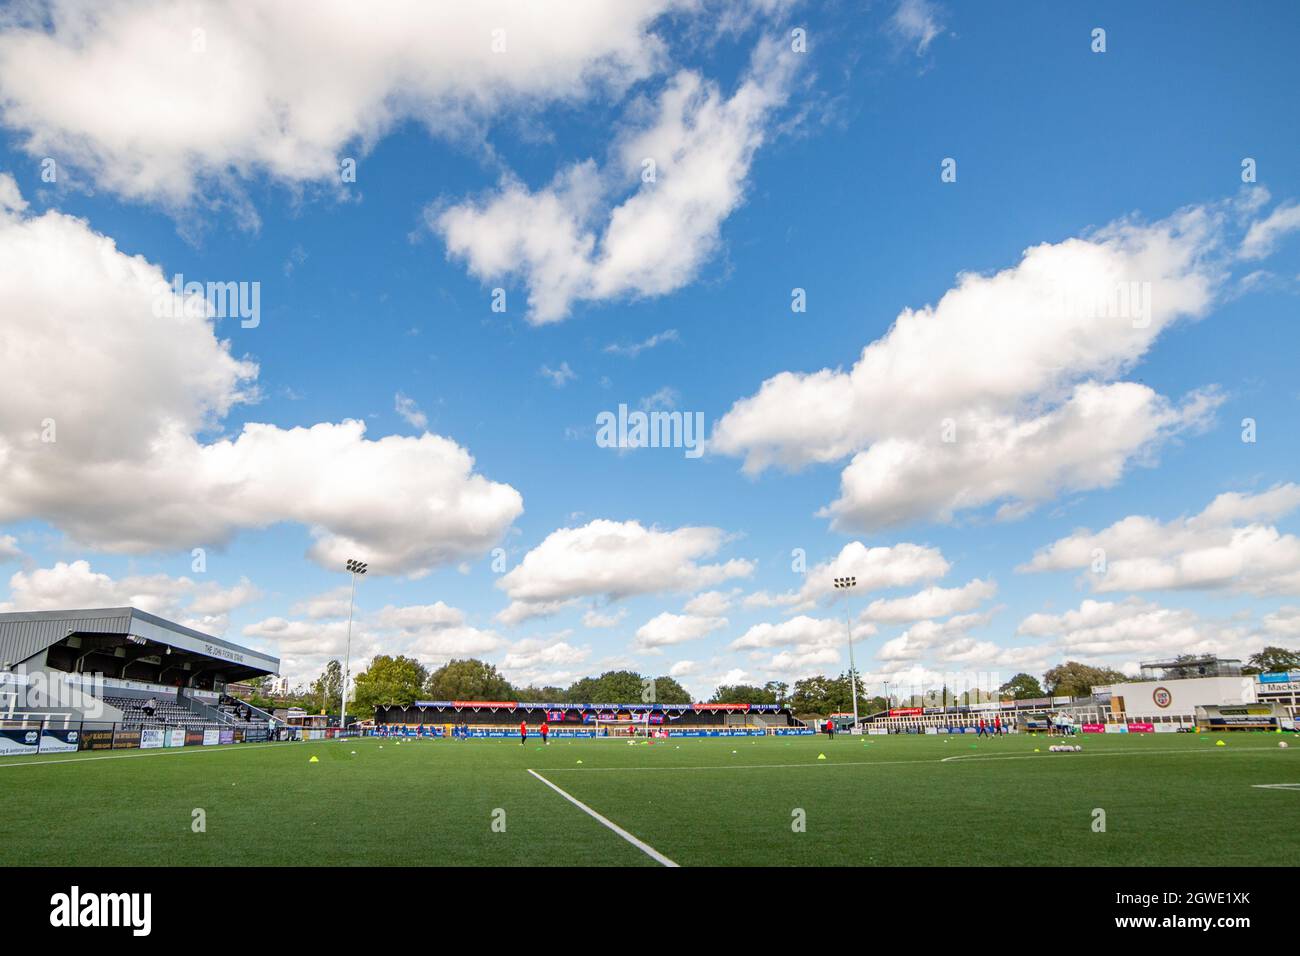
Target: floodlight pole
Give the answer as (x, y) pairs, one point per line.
(355, 568)
(845, 584)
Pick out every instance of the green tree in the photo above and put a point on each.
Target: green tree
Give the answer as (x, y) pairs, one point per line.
(1073, 679)
(742, 694)
(539, 695)
(823, 695)
(811, 695)
(1022, 687)
(779, 690)
(468, 679)
(668, 691)
(396, 681)
(326, 688)
(611, 687)
(1271, 660)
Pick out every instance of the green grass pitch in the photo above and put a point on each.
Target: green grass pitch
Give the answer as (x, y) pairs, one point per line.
(1168, 800)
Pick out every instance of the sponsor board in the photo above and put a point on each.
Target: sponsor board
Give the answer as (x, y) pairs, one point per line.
(1094, 728)
(193, 738)
(126, 739)
(211, 736)
(1137, 728)
(227, 736)
(152, 737)
(97, 740)
(18, 742)
(60, 741)
(176, 737)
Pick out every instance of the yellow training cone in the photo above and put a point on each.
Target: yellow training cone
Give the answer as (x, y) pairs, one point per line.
(1220, 744)
(313, 760)
(821, 756)
(579, 761)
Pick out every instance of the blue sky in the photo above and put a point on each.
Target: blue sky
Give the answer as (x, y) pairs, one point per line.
(777, 170)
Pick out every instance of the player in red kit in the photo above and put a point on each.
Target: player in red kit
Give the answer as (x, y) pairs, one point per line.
(546, 729)
(523, 732)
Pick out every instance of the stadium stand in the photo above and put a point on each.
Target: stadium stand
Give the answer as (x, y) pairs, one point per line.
(502, 719)
(84, 676)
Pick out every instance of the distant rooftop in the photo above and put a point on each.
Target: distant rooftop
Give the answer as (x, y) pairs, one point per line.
(1191, 665)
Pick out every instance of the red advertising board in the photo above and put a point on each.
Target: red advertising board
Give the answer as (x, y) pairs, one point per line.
(1141, 728)
(1094, 728)
(906, 711)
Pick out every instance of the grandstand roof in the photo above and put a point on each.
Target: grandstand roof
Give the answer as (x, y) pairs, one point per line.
(25, 633)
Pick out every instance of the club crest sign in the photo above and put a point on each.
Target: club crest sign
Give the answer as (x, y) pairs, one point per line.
(1162, 697)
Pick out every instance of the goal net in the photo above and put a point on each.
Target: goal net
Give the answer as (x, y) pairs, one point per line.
(622, 728)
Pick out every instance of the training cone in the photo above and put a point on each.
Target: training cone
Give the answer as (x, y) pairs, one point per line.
(1035, 750)
(579, 761)
(821, 756)
(1220, 743)
(313, 760)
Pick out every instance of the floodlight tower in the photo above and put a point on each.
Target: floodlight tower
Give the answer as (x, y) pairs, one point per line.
(354, 568)
(844, 584)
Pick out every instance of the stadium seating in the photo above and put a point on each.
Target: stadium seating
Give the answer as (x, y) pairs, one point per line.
(169, 713)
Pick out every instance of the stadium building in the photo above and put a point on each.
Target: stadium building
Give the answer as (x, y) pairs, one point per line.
(487, 718)
(1184, 694)
(82, 679)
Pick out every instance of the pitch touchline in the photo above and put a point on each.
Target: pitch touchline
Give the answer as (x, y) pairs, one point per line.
(871, 763)
(1107, 753)
(645, 848)
(163, 753)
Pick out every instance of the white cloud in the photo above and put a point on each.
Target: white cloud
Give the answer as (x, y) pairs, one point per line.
(799, 631)
(11, 197)
(667, 629)
(1263, 234)
(598, 619)
(9, 550)
(1283, 623)
(931, 603)
(1132, 627)
(1084, 443)
(932, 432)
(410, 411)
(898, 565)
(1227, 546)
(613, 560)
(559, 376)
(635, 349)
(126, 396)
(682, 669)
(916, 23)
(933, 639)
(711, 603)
(279, 92)
(419, 616)
(440, 644)
(540, 661)
(585, 238)
(204, 606)
(332, 604)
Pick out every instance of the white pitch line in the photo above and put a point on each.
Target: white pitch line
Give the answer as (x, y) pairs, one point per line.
(169, 752)
(644, 847)
(1104, 753)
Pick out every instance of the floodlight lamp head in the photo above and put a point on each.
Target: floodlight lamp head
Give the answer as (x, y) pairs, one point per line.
(846, 582)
